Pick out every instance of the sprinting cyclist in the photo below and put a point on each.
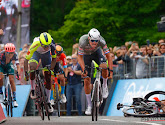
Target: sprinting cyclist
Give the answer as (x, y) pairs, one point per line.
(43, 48)
(89, 49)
(6, 67)
(62, 70)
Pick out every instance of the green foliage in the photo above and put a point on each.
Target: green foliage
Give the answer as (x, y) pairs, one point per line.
(117, 20)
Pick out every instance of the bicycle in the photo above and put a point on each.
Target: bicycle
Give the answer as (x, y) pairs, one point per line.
(144, 107)
(41, 97)
(56, 94)
(8, 101)
(96, 97)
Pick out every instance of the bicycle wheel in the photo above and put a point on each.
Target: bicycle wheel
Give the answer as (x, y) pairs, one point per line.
(94, 101)
(10, 101)
(44, 97)
(57, 99)
(138, 111)
(6, 101)
(159, 94)
(39, 102)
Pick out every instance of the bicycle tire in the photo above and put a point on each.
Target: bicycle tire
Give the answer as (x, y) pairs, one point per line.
(58, 99)
(94, 101)
(133, 108)
(6, 101)
(39, 102)
(10, 101)
(44, 97)
(153, 93)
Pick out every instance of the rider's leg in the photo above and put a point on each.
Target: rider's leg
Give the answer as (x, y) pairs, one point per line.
(62, 83)
(87, 88)
(1, 84)
(48, 84)
(13, 86)
(33, 66)
(51, 95)
(105, 77)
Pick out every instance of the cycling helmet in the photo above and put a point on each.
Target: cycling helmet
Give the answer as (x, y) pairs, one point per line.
(59, 49)
(45, 38)
(10, 47)
(94, 34)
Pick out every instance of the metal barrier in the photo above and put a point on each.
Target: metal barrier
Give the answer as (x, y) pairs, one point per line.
(139, 68)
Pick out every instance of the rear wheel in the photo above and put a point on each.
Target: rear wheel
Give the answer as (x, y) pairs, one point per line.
(159, 94)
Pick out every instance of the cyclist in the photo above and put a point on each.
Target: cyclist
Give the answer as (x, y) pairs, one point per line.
(43, 48)
(6, 57)
(89, 49)
(59, 69)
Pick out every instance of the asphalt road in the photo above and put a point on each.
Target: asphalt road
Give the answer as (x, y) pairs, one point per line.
(83, 120)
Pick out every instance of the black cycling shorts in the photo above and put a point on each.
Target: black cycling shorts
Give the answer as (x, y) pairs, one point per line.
(97, 56)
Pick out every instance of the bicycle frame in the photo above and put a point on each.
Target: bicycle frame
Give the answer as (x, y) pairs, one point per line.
(98, 86)
(41, 100)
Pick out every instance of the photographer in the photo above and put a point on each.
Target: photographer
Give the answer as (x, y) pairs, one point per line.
(142, 62)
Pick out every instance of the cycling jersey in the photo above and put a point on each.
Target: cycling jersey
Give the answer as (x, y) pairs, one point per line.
(36, 47)
(3, 58)
(62, 58)
(86, 49)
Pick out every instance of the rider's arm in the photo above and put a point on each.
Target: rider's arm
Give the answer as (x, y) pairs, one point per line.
(30, 52)
(110, 63)
(81, 62)
(53, 63)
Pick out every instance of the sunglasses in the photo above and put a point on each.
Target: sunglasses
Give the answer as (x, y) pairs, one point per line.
(74, 58)
(94, 41)
(10, 52)
(44, 46)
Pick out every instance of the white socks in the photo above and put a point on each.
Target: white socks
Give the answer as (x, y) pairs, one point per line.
(105, 82)
(88, 97)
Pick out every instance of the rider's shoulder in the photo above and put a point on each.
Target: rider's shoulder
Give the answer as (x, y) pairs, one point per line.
(83, 40)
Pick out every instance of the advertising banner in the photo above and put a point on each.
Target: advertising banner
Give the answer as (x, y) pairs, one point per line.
(127, 89)
(9, 18)
(22, 95)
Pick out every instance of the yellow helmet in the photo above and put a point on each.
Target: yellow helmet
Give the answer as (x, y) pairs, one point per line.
(45, 38)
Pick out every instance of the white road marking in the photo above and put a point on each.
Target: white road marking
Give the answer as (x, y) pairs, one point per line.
(23, 25)
(113, 120)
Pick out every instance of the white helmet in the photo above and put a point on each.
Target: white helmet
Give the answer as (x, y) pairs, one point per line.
(94, 34)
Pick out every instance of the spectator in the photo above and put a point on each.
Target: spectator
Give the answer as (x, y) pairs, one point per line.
(1, 32)
(119, 62)
(142, 63)
(161, 60)
(74, 85)
(75, 48)
(69, 60)
(161, 41)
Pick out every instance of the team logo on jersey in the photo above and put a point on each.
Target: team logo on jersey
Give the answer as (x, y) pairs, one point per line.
(34, 46)
(105, 47)
(28, 52)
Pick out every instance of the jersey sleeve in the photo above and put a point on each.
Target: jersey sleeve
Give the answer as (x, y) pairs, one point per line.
(15, 58)
(81, 49)
(32, 49)
(104, 46)
(53, 47)
(63, 58)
